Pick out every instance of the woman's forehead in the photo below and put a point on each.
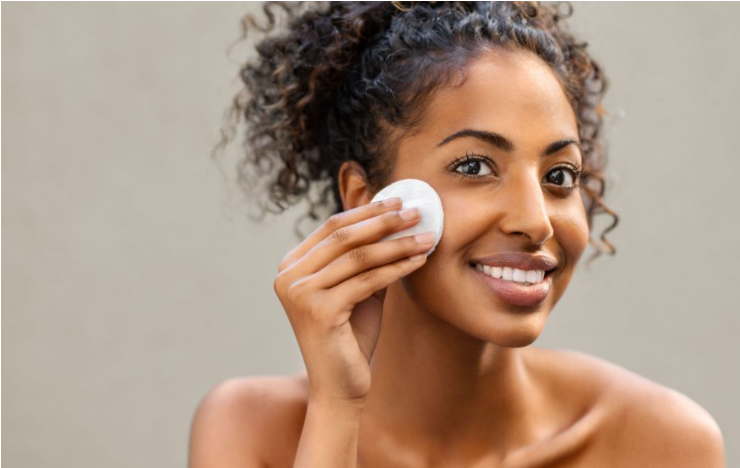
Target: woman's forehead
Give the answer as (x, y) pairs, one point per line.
(513, 93)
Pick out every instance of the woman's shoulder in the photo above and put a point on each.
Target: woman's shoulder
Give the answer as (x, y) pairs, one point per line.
(254, 419)
(658, 425)
(616, 384)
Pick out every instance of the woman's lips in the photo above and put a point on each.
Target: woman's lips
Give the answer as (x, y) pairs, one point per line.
(516, 294)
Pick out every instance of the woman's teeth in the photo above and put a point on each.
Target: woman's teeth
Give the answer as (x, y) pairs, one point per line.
(514, 275)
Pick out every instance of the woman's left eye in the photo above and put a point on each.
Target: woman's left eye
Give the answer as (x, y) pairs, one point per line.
(562, 176)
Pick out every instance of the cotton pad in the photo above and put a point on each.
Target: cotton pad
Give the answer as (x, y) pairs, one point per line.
(415, 193)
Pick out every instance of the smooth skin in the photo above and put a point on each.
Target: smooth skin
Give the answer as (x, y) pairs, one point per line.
(448, 377)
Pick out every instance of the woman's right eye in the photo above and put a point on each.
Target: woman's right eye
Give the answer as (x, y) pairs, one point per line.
(471, 166)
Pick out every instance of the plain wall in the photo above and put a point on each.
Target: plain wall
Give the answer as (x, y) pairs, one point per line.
(133, 282)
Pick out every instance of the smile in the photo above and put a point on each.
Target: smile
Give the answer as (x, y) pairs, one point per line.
(514, 291)
(515, 275)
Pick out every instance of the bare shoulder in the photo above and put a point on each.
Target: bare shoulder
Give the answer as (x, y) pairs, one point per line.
(650, 423)
(249, 422)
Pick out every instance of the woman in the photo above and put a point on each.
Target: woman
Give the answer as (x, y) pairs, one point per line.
(497, 107)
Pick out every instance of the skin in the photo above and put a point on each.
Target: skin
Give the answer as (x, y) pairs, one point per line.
(455, 381)
(446, 341)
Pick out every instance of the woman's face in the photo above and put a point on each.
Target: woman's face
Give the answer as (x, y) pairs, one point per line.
(501, 200)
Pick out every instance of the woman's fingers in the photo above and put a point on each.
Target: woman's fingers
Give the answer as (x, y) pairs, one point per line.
(341, 241)
(338, 222)
(366, 257)
(362, 286)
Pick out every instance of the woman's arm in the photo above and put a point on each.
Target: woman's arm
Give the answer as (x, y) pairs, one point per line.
(226, 427)
(330, 434)
(659, 427)
(243, 420)
(691, 436)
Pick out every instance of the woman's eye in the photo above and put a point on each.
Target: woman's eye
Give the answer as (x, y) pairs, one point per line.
(561, 176)
(474, 168)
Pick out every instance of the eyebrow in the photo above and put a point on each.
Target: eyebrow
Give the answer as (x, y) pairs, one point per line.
(504, 144)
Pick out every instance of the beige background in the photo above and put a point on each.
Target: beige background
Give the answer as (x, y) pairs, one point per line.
(133, 283)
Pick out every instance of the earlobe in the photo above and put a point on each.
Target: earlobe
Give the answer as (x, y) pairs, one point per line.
(353, 185)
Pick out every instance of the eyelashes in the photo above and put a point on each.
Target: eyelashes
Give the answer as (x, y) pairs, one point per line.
(467, 159)
(580, 176)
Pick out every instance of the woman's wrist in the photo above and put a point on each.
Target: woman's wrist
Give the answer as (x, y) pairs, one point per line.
(325, 403)
(330, 433)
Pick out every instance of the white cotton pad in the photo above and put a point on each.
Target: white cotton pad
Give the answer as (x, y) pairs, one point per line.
(416, 193)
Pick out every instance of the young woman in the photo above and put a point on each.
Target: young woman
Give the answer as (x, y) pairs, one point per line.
(424, 361)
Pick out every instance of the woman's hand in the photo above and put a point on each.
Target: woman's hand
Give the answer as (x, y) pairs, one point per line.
(332, 287)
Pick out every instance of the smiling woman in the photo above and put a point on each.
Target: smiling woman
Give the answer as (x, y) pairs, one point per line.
(357, 85)
(497, 107)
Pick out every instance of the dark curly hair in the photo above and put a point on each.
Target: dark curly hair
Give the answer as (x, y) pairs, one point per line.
(345, 77)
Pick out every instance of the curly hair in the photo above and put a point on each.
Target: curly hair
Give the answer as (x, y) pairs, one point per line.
(345, 77)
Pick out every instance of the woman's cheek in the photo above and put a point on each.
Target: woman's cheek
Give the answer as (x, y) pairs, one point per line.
(464, 222)
(571, 231)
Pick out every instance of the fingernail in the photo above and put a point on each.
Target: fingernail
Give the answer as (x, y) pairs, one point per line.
(392, 201)
(426, 238)
(411, 213)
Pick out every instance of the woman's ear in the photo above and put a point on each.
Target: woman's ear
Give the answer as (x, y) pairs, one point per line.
(353, 185)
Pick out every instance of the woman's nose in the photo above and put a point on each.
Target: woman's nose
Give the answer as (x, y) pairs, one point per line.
(524, 209)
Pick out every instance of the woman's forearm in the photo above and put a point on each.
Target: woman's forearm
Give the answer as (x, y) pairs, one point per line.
(330, 434)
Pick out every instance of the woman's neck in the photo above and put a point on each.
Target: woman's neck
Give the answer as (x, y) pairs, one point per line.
(436, 389)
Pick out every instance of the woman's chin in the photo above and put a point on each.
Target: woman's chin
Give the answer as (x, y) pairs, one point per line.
(510, 332)
(517, 339)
